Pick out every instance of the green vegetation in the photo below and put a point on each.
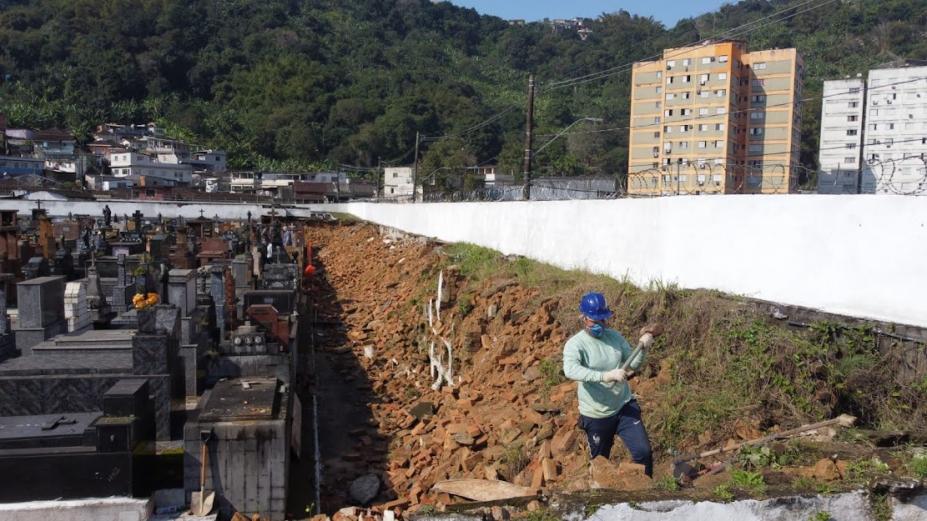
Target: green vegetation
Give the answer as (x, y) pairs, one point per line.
(750, 482)
(290, 85)
(723, 492)
(667, 483)
(515, 459)
(551, 372)
(540, 515)
(880, 505)
(866, 468)
(821, 516)
(464, 304)
(918, 465)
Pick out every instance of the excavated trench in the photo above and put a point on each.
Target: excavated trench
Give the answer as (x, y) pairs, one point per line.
(425, 369)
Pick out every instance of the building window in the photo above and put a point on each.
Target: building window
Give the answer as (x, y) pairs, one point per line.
(686, 95)
(759, 98)
(722, 58)
(853, 104)
(756, 131)
(851, 132)
(702, 144)
(703, 127)
(757, 115)
(851, 146)
(683, 144)
(854, 90)
(703, 111)
(721, 110)
(719, 126)
(670, 80)
(670, 64)
(707, 60)
(686, 62)
(656, 134)
(704, 93)
(852, 118)
(703, 79)
(686, 112)
(687, 78)
(759, 66)
(667, 129)
(659, 90)
(849, 160)
(721, 93)
(719, 144)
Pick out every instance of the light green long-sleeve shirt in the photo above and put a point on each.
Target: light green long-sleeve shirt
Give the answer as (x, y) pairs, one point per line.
(586, 359)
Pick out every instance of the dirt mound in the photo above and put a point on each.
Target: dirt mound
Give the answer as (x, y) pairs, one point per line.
(494, 404)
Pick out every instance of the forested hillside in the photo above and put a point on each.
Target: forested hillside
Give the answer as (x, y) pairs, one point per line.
(294, 84)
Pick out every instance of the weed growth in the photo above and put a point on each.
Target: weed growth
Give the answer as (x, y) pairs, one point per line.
(918, 465)
(667, 483)
(751, 482)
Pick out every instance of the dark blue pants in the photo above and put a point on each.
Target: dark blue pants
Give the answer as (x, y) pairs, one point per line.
(629, 426)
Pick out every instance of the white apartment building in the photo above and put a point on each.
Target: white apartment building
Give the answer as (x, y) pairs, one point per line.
(136, 165)
(842, 106)
(895, 135)
(397, 183)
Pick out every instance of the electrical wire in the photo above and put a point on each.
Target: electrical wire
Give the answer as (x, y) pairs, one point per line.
(729, 34)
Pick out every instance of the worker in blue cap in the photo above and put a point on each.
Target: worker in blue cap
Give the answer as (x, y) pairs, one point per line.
(600, 360)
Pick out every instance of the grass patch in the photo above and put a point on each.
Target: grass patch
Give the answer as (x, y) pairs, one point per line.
(723, 493)
(865, 469)
(550, 371)
(667, 483)
(918, 465)
(515, 459)
(464, 304)
(540, 515)
(750, 482)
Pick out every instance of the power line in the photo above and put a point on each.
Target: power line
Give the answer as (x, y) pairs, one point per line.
(729, 34)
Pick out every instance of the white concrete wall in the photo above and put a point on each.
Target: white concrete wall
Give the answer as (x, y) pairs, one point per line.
(861, 256)
(151, 209)
(108, 509)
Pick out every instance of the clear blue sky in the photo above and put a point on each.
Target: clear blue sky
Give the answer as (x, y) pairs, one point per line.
(666, 11)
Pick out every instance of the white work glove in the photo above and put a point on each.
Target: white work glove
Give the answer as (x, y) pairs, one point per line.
(646, 340)
(615, 375)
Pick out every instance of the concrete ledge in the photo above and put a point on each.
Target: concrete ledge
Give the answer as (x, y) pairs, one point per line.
(105, 509)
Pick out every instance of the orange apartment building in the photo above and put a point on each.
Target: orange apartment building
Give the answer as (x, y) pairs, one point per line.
(714, 119)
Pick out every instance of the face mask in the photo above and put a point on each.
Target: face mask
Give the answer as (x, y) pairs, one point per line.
(596, 330)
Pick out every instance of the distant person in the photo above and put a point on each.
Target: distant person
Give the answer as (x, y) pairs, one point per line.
(594, 358)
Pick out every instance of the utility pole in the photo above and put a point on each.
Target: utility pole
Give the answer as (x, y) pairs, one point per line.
(379, 177)
(415, 169)
(529, 128)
